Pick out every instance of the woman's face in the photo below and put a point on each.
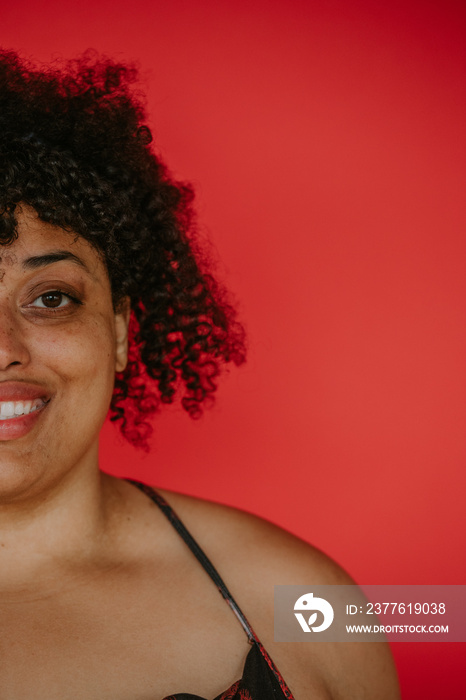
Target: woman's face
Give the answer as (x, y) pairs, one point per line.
(60, 345)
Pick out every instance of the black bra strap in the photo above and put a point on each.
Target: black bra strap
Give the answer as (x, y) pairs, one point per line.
(203, 559)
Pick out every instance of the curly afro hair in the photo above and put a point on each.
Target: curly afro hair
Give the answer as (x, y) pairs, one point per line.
(74, 146)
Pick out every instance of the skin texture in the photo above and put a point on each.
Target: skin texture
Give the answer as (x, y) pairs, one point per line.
(99, 597)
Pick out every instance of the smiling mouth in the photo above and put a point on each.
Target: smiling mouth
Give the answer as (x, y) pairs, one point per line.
(15, 409)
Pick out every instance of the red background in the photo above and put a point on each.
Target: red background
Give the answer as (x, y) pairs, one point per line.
(326, 141)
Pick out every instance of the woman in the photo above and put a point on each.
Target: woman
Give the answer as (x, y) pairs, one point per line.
(105, 300)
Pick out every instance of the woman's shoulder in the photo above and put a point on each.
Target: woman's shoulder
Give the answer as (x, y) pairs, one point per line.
(252, 556)
(241, 539)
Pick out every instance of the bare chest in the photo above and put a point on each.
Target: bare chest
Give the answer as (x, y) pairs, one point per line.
(115, 645)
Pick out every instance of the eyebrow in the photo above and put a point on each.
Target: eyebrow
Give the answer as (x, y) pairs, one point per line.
(37, 261)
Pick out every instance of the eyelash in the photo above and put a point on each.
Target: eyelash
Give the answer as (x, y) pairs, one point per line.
(56, 309)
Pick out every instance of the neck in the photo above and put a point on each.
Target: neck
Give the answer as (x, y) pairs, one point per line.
(54, 523)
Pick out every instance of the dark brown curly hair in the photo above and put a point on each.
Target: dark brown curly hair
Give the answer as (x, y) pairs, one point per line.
(74, 146)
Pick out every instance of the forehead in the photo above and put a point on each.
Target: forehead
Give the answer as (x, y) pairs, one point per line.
(37, 239)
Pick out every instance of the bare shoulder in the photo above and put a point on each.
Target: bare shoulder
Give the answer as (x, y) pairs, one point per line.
(253, 555)
(237, 537)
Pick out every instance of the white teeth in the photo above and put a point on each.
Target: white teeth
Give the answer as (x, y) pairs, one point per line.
(9, 409)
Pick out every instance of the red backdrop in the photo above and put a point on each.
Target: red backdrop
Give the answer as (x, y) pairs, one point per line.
(326, 141)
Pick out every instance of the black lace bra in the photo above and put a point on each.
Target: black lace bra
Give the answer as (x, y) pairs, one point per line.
(261, 679)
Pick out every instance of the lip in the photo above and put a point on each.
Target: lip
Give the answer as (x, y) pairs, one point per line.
(18, 426)
(22, 391)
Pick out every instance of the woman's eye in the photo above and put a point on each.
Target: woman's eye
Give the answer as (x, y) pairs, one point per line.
(52, 300)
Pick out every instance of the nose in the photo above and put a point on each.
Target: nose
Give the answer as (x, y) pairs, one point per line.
(13, 347)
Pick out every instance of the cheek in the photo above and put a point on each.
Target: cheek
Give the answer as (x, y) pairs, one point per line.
(80, 355)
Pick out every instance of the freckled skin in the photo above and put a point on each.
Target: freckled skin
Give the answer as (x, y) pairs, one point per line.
(72, 354)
